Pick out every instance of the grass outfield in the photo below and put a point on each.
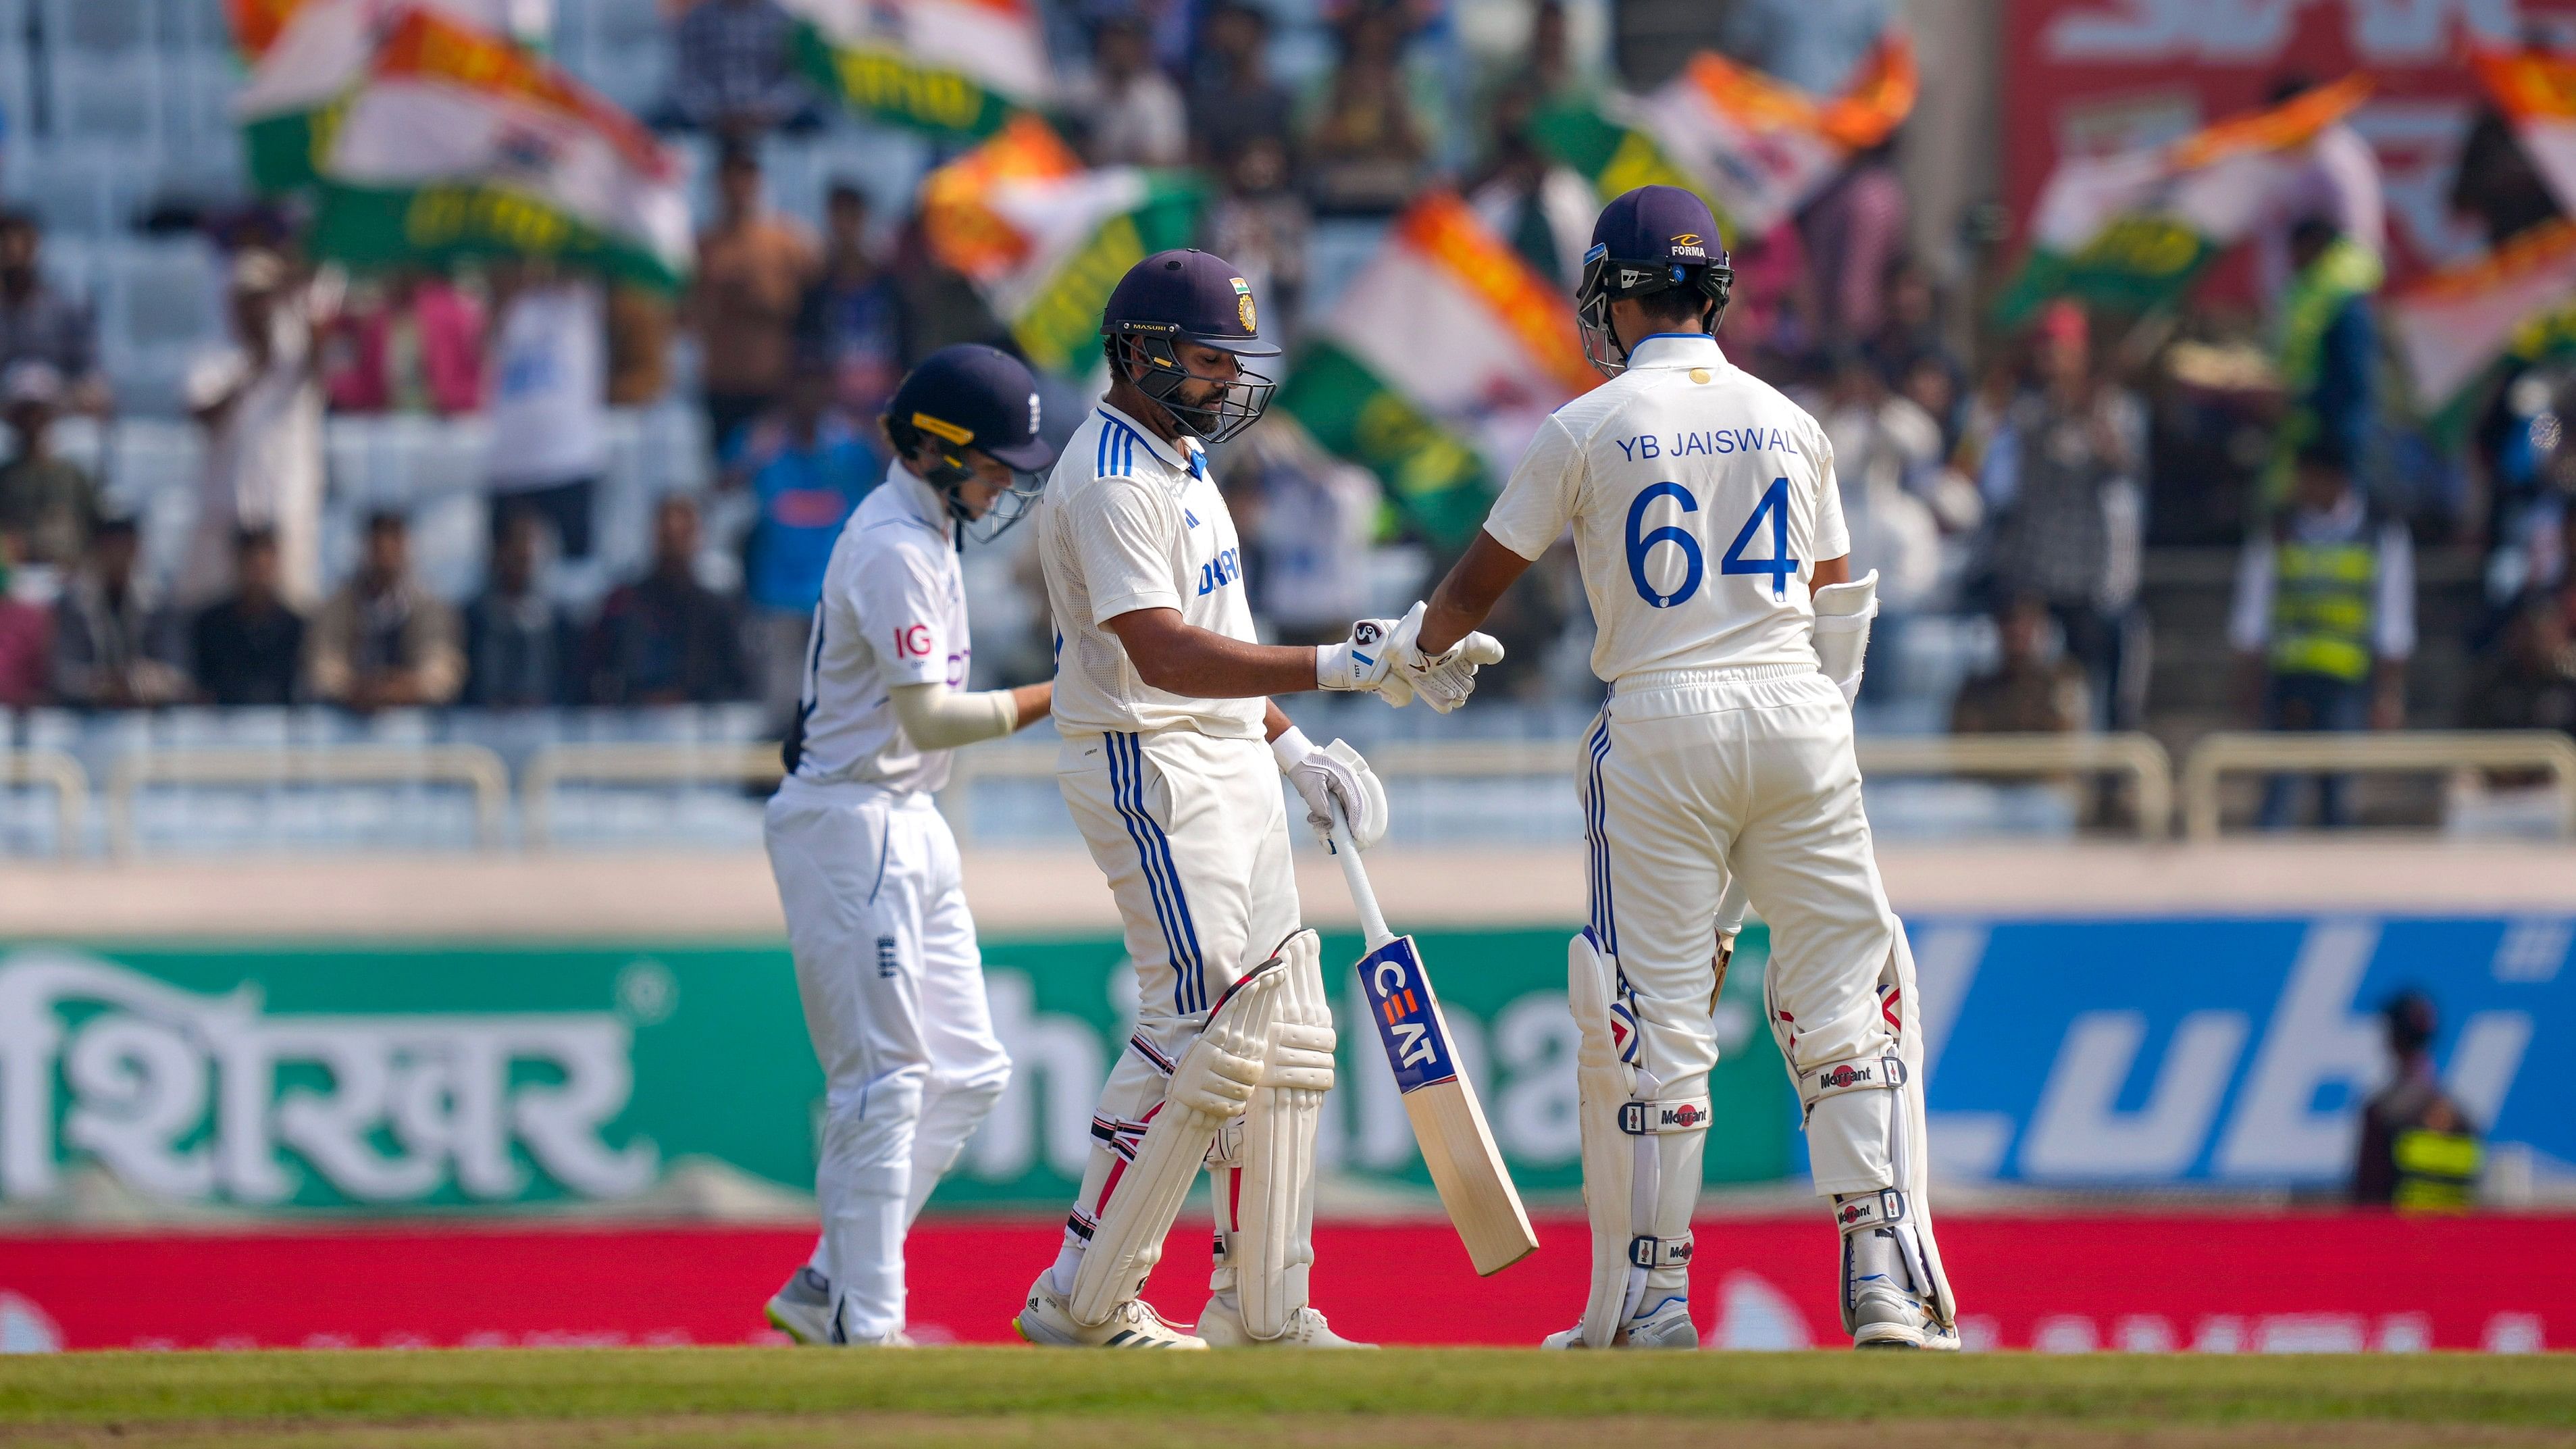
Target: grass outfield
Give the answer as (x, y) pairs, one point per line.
(1411, 1397)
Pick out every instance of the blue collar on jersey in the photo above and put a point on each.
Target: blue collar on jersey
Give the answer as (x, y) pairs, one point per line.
(1675, 349)
(1191, 460)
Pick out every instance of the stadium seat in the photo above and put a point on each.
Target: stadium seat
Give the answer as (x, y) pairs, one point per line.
(101, 27)
(161, 307)
(104, 103)
(68, 194)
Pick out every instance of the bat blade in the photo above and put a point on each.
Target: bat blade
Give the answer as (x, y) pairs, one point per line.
(1457, 1146)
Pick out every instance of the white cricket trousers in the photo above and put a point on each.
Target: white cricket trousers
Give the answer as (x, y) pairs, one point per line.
(1688, 774)
(1192, 835)
(893, 988)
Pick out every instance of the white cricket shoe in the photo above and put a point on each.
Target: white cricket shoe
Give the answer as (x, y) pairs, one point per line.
(803, 1309)
(1889, 1318)
(1048, 1321)
(1666, 1325)
(1221, 1324)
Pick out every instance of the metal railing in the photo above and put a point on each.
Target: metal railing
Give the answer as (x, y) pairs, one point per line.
(472, 766)
(2136, 756)
(2393, 752)
(633, 764)
(69, 782)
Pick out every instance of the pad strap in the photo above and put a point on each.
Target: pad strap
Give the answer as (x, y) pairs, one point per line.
(1669, 1114)
(1154, 1056)
(1859, 1074)
(1856, 1211)
(1648, 1251)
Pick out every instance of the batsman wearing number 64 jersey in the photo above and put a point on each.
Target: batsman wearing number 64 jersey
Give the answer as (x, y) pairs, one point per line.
(1708, 526)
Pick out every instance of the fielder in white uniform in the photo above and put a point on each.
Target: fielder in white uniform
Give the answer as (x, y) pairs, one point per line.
(886, 960)
(1171, 763)
(1709, 529)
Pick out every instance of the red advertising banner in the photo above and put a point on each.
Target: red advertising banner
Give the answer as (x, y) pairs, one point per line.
(2091, 76)
(2306, 1283)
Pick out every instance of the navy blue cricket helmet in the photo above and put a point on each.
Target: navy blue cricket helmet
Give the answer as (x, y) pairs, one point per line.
(971, 396)
(1189, 296)
(1652, 239)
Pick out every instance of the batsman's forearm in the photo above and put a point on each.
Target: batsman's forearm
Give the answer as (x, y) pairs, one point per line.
(1468, 594)
(1183, 659)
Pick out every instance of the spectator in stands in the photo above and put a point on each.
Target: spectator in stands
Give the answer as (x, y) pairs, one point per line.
(519, 643)
(261, 406)
(640, 325)
(2326, 350)
(26, 637)
(2419, 1151)
(2528, 681)
(39, 323)
(1909, 340)
(384, 641)
(249, 649)
(1261, 225)
(734, 70)
(666, 638)
(2324, 621)
(115, 645)
(2061, 481)
(807, 466)
(1308, 520)
(941, 307)
(1234, 102)
(46, 499)
(2335, 179)
(2030, 690)
(415, 346)
(1542, 207)
(549, 409)
(2496, 185)
(1126, 112)
(1365, 150)
(1855, 234)
(753, 268)
(852, 318)
(1883, 446)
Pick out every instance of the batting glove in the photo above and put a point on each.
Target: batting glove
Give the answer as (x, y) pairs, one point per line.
(1333, 775)
(1443, 680)
(1363, 662)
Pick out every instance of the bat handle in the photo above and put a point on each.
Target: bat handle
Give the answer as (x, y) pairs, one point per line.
(1355, 875)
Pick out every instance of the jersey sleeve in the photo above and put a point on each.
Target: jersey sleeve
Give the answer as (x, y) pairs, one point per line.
(1539, 501)
(1833, 536)
(1125, 535)
(901, 602)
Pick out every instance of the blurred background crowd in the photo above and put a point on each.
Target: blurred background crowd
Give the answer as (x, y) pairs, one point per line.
(243, 474)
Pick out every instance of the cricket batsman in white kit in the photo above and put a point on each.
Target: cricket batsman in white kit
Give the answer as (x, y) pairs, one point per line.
(886, 960)
(1709, 529)
(1171, 762)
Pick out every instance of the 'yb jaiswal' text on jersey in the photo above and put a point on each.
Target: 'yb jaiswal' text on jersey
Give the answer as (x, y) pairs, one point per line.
(1701, 501)
(1127, 522)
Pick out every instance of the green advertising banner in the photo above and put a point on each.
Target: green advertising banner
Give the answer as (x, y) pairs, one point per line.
(412, 1078)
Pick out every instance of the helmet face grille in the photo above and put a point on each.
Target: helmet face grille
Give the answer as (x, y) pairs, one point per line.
(1238, 404)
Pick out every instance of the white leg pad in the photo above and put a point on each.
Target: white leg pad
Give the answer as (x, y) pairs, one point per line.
(1641, 1149)
(1212, 1083)
(1271, 1206)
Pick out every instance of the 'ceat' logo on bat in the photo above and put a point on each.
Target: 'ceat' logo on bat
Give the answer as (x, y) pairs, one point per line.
(1400, 999)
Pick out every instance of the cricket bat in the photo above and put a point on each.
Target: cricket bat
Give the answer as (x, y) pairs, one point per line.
(1475, 1187)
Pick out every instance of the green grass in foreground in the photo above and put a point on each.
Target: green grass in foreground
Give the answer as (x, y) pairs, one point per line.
(355, 1388)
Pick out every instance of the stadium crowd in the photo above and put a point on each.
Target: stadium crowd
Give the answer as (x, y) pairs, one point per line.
(2007, 479)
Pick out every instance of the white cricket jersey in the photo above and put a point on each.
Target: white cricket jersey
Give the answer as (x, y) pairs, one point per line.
(1127, 522)
(893, 612)
(1701, 502)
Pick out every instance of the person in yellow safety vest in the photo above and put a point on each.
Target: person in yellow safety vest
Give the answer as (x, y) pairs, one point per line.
(2324, 621)
(2419, 1153)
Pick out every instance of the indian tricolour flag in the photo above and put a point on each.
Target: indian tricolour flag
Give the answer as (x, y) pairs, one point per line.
(951, 67)
(2133, 228)
(460, 143)
(1045, 239)
(2516, 304)
(1437, 364)
(1756, 149)
(2536, 90)
(305, 57)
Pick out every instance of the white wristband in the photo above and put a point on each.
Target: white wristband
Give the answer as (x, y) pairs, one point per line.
(1291, 748)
